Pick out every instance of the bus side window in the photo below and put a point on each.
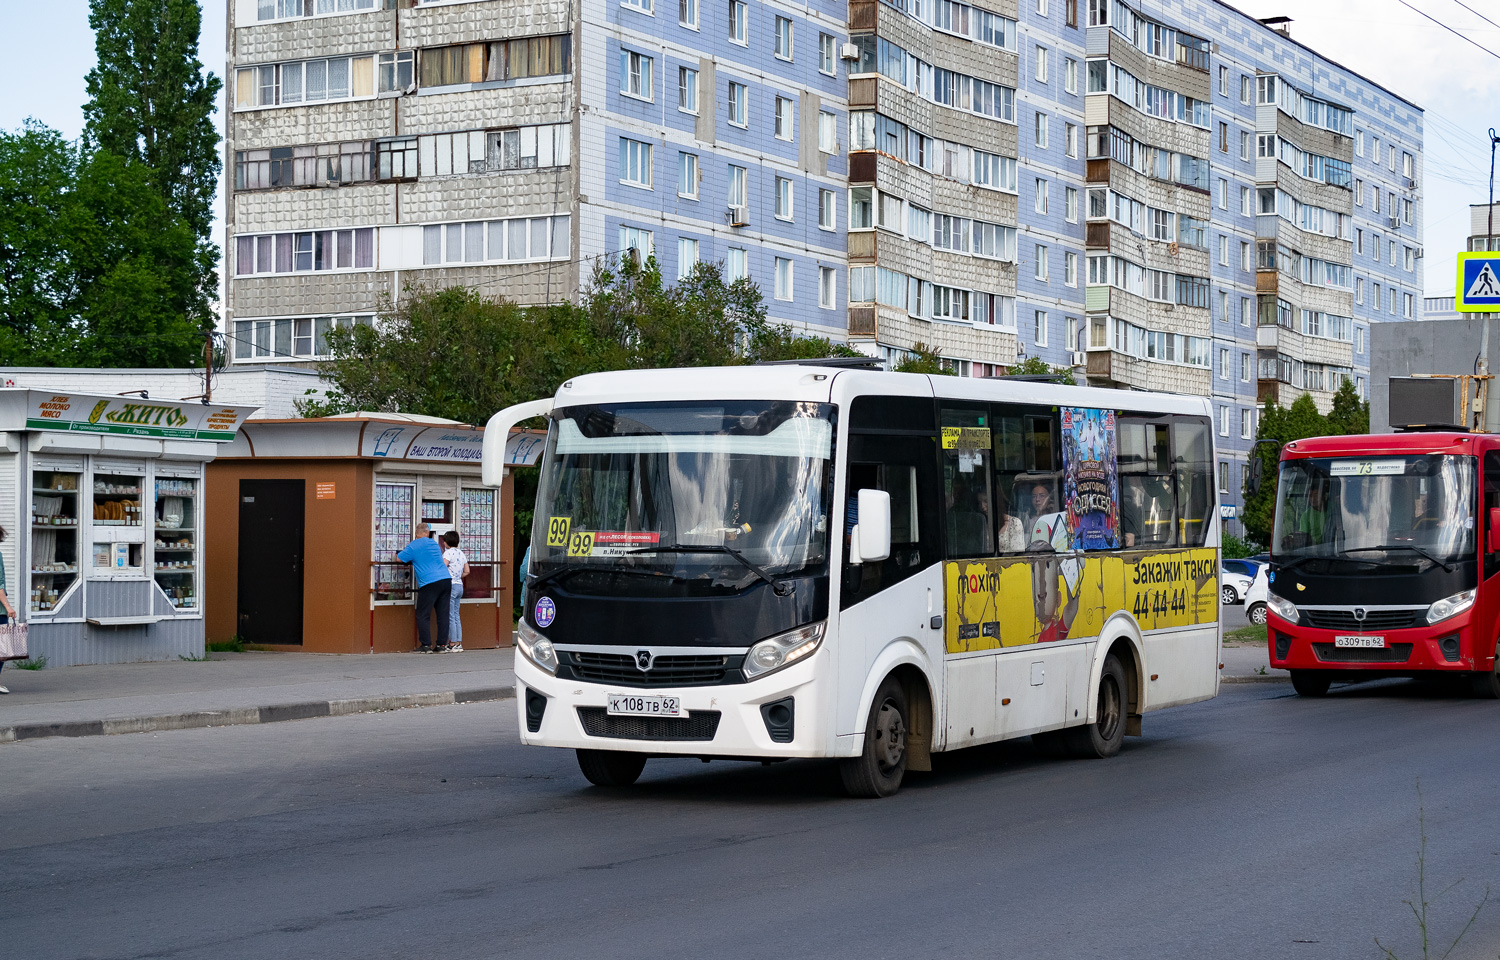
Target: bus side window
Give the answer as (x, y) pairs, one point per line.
(1194, 468)
(1148, 513)
(967, 496)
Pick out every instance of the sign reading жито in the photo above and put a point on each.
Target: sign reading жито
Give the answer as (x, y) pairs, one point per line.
(129, 416)
(1478, 288)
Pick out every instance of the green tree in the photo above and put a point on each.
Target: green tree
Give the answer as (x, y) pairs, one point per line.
(1350, 414)
(37, 171)
(1282, 425)
(1036, 366)
(922, 359)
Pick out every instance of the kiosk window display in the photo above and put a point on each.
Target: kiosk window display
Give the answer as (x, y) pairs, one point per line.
(54, 536)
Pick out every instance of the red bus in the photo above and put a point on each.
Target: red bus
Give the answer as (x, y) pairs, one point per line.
(1385, 552)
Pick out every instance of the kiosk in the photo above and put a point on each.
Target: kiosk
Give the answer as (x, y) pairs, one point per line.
(102, 500)
(305, 517)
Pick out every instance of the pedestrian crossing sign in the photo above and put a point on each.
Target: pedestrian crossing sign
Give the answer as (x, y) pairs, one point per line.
(1478, 289)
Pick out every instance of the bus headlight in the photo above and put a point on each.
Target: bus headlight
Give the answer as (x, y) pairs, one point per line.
(773, 653)
(1282, 607)
(1450, 606)
(536, 648)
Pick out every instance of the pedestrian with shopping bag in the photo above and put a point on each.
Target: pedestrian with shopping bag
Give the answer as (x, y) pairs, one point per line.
(12, 634)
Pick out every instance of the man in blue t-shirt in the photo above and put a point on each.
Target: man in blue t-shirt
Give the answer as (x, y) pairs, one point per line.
(433, 582)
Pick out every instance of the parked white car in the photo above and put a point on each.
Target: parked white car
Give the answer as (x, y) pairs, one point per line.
(1233, 584)
(1255, 597)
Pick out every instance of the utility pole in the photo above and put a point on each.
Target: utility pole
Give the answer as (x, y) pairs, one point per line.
(1482, 366)
(208, 367)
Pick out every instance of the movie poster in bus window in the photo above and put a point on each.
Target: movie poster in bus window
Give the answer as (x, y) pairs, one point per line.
(1091, 491)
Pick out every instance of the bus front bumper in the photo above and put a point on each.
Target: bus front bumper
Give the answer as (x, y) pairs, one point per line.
(1444, 647)
(723, 720)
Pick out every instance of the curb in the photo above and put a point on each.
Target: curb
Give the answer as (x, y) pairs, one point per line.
(272, 714)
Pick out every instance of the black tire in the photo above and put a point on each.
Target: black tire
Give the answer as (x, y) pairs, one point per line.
(1486, 683)
(1311, 683)
(611, 768)
(1227, 595)
(1256, 614)
(1103, 737)
(881, 765)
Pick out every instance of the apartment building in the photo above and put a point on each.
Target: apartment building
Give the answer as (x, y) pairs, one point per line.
(1180, 198)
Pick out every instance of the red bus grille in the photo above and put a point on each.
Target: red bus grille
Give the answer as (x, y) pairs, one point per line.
(1374, 619)
(1395, 653)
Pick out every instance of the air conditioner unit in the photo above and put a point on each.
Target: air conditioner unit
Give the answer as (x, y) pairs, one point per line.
(849, 52)
(1394, 222)
(1080, 358)
(738, 216)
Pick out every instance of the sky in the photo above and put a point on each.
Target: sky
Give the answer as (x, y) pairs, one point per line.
(1456, 83)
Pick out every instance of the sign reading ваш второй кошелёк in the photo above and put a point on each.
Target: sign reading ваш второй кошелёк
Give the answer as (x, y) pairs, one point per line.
(132, 417)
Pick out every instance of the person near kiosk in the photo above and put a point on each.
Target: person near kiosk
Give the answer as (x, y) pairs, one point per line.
(434, 587)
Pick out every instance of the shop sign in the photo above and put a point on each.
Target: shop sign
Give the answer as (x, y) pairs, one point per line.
(133, 417)
(448, 445)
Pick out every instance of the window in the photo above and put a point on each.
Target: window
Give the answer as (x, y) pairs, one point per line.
(284, 9)
(1041, 262)
(1410, 260)
(1070, 139)
(783, 38)
(1245, 203)
(1041, 195)
(1223, 421)
(1359, 193)
(1041, 130)
(890, 210)
(687, 175)
(1039, 328)
(1223, 137)
(828, 132)
(783, 118)
(783, 198)
(634, 238)
(635, 163)
(396, 159)
(1041, 8)
(739, 104)
(1070, 268)
(1247, 423)
(1245, 263)
(1244, 368)
(1244, 89)
(1223, 363)
(1407, 305)
(687, 13)
(305, 252)
(310, 165)
(1070, 204)
(738, 264)
(861, 208)
(827, 288)
(1223, 194)
(687, 90)
(739, 22)
(687, 257)
(1223, 80)
(1408, 166)
(502, 60)
(826, 54)
(1070, 75)
(1041, 64)
(642, 5)
(1246, 312)
(396, 71)
(1223, 306)
(635, 74)
(307, 81)
(1359, 289)
(1223, 250)
(783, 279)
(739, 186)
(827, 215)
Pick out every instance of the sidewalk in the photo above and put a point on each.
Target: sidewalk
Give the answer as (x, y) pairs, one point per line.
(233, 688)
(1243, 664)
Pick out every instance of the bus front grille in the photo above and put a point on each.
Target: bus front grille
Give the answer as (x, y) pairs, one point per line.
(666, 671)
(1395, 653)
(1374, 619)
(698, 725)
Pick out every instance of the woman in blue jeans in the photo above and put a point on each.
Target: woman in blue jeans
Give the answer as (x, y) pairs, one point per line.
(458, 568)
(10, 611)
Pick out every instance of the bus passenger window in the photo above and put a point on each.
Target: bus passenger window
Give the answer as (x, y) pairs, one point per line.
(1009, 445)
(1148, 514)
(1043, 524)
(966, 482)
(1195, 498)
(1039, 449)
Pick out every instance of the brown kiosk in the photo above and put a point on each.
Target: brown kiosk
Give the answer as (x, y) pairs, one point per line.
(304, 517)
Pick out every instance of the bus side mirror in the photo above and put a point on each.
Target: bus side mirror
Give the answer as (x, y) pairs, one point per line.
(1252, 479)
(871, 538)
(1493, 546)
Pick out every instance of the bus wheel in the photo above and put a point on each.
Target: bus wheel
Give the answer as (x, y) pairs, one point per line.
(1310, 683)
(1486, 684)
(878, 770)
(1103, 737)
(1256, 614)
(611, 768)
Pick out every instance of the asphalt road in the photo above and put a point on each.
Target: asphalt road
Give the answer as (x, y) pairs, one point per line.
(1256, 825)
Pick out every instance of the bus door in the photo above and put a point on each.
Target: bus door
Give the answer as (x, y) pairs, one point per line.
(898, 596)
(1489, 592)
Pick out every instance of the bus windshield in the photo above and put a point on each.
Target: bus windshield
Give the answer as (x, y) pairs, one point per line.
(710, 495)
(1407, 510)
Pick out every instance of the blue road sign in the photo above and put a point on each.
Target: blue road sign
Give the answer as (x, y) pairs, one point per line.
(1478, 289)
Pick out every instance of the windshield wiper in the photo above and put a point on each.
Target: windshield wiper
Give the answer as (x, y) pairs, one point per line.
(1405, 546)
(780, 587)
